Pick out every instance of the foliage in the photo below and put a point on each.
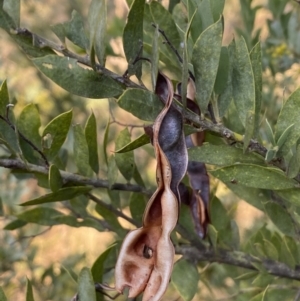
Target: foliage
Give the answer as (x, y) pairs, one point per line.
(249, 154)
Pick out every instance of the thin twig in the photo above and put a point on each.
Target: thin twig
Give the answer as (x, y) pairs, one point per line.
(238, 259)
(85, 60)
(71, 178)
(169, 43)
(112, 209)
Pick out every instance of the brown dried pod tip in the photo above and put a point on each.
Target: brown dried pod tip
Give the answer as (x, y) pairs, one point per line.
(146, 257)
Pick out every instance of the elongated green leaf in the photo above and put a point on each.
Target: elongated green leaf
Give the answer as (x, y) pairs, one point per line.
(225, 98)
(235, 235)
(74, 31)
(138, 142)
(281, 140)
(269, 133)
(9, 136)
(223, 72)
(90, 132)
(155, 57)
(254, 176)
(114, 196)
(222, 155)
(290, 195)
(270, 250)
(255, 57)
(98, 267)
(29, 292)
(4, 98)
(243, 81)
(172, 4)
(185, 221)
(97, 26)
(196, 25)
(133, 31)
(60, 195)
(156, 14)
(124, 161)
(28, 124)
(205, 59)
(270, 155)
(6, 21)
(203, 16)
(218, 215)
(141, 103)
(286, 255)
(280, 217)
(105, 141)
(293, 247)
(79, 81)
(206, 13)
(59, 30)
(79, 204)
(217, 7)
(1, 207)
(86, 287)
(185, 61)
(293, 167)
(13, 9)
(40, 215)
(81, 151)
(2, 295)
(289, 115)
(112, 172)
(137, 205)
(56, 131)
(213, 235)
(55, 180)
(249, 129)
(254, 196)
(186, 286)
(16, 224)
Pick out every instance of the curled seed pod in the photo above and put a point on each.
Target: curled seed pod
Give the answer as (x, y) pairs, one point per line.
(198, 198)
(146, 257)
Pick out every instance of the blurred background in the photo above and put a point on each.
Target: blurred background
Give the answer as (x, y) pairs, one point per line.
(44, 254)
